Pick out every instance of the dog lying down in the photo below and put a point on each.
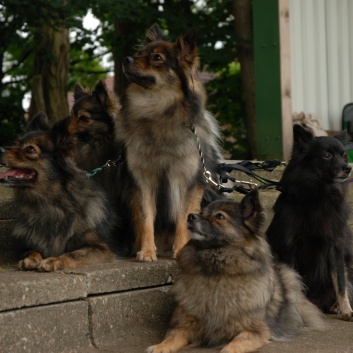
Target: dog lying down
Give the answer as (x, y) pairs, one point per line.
(230, 291)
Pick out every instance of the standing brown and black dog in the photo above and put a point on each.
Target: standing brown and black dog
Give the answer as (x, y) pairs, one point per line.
(164, 101)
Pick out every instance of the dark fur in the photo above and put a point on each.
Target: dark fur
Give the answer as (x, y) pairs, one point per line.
(164, 176)
(92, 122)
(309, 230)
(61, 214)
(229, 290)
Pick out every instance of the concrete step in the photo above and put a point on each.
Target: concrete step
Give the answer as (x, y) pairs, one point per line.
(113, 308)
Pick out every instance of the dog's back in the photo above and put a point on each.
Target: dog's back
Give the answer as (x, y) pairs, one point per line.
(309, 230)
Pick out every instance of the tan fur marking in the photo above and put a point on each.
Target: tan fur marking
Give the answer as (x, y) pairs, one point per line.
(78, 258)
(31, 262)
(176, 340)
(343, 303)
(182, 234)
(143, 214)
(247, 342)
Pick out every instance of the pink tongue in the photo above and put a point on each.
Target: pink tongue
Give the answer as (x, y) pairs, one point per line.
(14, 173)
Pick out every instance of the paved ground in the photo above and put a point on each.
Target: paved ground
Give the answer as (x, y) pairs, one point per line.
(337, 339)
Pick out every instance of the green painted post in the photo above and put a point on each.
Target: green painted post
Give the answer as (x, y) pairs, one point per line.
(267, 79)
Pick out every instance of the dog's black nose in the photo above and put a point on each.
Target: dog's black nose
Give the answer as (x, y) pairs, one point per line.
(193, 217)
(128, 60)
(347, 169)
(2, 150)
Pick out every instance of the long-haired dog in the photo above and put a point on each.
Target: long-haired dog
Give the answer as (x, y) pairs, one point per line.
(229, 290)
(92, 123)
(163, 102)
(61, 215)
(309, 230)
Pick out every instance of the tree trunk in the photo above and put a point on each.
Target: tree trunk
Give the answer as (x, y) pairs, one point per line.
(244, 38)
(50, 76)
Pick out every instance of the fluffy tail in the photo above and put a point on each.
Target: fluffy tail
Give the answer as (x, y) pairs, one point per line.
(308, 315)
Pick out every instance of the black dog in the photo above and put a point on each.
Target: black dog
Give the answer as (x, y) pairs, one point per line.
(309, 230)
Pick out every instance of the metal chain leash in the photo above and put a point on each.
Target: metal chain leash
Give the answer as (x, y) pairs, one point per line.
(207, 174)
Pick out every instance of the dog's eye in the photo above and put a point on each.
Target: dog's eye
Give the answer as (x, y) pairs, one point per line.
(219, 216)
(327, 155)
(83, 119)
(344, 156)
(30, 150)
(156, 57)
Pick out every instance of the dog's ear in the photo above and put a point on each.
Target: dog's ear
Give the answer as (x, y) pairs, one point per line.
(187, 46)
(343, 137)
(251, 212)
(250, 204)
(64, 142)
(39, 122)
(101, 91)
(79, 92)
(153, 34)
(301, 135)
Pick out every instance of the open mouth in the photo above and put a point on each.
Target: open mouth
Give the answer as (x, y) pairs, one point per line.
(17, 176)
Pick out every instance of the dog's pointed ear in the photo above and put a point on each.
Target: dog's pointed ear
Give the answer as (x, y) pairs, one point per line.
(252, 213)
(301, 135)
(101, 91)
(79, 92)
(250, 204)
(187, 46)
(153, 34)
(39, 122)
(343, 137)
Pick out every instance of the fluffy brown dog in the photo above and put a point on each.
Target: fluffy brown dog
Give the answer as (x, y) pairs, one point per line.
(163, 101)
(229, 290)
(62, 216)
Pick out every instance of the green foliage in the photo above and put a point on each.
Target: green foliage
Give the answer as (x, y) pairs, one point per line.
(213, 20)
(226, 102)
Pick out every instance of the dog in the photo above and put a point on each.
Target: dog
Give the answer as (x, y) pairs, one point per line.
(230, 291)
(163, 108)
(62, 216)
(92, 123)
(309, 230)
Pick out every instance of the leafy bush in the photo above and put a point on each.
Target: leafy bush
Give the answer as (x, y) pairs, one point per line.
(226, 102)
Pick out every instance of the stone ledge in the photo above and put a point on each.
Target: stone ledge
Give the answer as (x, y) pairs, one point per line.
(23, 289)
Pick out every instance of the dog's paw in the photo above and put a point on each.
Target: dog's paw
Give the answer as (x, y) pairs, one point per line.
(347, 316)
(50, 264)
(146, 256)
(159, 348)
(31, 262)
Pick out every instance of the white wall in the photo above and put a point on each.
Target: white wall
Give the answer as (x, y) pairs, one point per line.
(321, 33)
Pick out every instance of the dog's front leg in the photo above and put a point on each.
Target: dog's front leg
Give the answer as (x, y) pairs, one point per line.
(31, 262)
(339, 279)
(191, 204)
(143, 213)
(247, 341)
(175, 340)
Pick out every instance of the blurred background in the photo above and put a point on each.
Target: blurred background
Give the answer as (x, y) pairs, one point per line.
(48, 46)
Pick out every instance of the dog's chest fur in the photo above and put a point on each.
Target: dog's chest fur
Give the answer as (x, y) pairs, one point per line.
(224, 301)
(155, 129)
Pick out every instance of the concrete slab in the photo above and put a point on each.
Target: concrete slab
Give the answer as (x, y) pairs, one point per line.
(127, 274)
(49, 329)
(23, 289)
(337, 339)
(130, 319)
